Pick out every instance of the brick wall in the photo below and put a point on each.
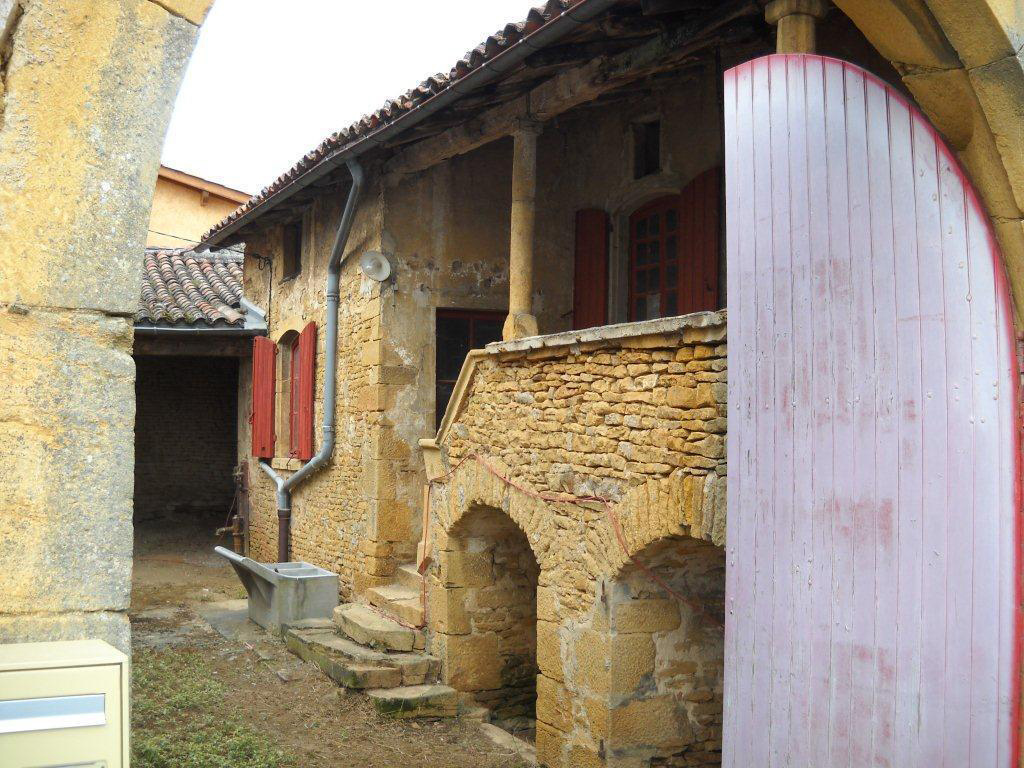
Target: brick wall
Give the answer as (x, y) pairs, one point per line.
(184, 434)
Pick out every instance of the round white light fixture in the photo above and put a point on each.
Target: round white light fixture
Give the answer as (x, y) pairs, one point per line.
(375, 265)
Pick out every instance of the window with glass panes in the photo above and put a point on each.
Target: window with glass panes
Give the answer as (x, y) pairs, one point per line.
(674, 251)
(654, 262)
(458, 331)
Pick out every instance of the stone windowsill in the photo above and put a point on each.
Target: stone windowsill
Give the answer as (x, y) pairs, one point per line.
(283, 462)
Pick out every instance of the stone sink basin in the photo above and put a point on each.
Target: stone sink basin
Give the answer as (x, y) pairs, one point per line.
(281, 594)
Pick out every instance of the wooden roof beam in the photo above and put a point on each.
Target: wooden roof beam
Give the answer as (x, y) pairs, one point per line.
(570, 89)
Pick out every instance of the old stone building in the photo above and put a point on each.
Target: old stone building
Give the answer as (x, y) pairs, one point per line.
(185, 206)
(193, 329)
(87, 91)
(548, 511)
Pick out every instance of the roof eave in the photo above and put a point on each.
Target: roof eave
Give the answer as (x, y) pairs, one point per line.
(190, 330)
(492, 69)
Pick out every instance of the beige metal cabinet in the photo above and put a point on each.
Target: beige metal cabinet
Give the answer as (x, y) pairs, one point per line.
(63, 705)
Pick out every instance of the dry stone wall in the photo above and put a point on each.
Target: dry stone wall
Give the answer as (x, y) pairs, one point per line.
(603, 447)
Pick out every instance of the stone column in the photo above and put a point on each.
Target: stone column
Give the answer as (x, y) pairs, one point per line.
(88, 89)
(795, 20)
(521, 322)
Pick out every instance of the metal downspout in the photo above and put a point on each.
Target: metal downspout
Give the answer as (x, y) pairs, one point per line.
(285, 486)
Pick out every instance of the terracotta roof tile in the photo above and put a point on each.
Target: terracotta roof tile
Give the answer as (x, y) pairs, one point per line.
(395, 108)
(184, 288)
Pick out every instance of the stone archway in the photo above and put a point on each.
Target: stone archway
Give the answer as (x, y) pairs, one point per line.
(490, 572)
(87, 93)
(961, 61)
(666, 655)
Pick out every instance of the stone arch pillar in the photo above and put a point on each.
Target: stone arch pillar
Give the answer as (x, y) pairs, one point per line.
(86, 92)
(962, 62)
(488, 577)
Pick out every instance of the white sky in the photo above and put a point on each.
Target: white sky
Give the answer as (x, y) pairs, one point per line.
(269, 80)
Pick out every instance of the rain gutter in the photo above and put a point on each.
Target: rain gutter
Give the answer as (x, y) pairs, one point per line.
(491, 70)
(285, 485)
(159, 330)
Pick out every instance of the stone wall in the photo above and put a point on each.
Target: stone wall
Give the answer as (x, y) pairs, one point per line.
(334, 513)
(633, 416)
(667, 654)
(185, 444)
(447, 231)
(86, 90)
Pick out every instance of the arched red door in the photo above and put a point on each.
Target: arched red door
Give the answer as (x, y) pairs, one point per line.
(872, 579)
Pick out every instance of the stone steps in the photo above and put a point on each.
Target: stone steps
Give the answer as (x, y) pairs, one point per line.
(363, 650)
(399, 600)
(416, 701)
(370, 627)
(407, 576)
(355, 666)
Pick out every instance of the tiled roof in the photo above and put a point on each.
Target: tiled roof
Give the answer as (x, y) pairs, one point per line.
(395, 108)
(182, 288)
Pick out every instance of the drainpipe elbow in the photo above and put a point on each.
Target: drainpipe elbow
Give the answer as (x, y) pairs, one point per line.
(284, 503)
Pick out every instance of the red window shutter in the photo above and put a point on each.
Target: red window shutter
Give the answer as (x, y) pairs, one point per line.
(264, 352)
(699, 243)
(590, 279)
(307, 371)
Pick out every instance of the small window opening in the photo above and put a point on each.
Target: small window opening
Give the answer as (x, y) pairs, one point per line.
(458, 331)
(292, 237)
(646, 148)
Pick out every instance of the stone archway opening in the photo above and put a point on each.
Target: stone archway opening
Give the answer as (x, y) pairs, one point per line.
(666, 671)
(491, 574)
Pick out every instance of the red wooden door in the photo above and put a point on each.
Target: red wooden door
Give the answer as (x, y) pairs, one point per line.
(872, 578)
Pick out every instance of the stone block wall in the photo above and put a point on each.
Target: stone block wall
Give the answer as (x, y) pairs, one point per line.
(185, 445)
(605, 448)
(86, 90)
(667, 655)
(336, 512)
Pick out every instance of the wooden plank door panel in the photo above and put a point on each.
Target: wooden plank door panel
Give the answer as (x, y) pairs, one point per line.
(872, 577)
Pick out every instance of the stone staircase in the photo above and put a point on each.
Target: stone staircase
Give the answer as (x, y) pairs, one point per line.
(402, 597)
(362, 649)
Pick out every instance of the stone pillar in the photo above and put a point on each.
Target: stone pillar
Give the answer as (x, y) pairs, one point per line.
(521, 321)
(795, 20)
(88, 89)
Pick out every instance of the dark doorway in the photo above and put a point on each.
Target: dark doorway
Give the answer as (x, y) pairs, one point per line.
(185, 437)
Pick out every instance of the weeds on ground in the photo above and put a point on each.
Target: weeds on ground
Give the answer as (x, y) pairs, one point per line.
(183, 718)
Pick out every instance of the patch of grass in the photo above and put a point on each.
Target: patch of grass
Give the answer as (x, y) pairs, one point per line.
(183, 718)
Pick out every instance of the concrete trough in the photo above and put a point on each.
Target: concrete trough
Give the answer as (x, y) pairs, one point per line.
(281, 594)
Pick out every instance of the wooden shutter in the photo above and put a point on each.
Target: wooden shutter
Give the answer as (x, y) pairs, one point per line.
(873, 577)
(306, 379)
(699, 243)
(264, 352)
(590, 280)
